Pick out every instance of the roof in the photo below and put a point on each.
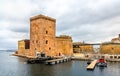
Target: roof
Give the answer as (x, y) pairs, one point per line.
(79, 43)
(25, 40)
(64, 36)
(42, 16)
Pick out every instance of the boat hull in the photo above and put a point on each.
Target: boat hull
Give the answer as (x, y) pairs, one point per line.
(100, 64)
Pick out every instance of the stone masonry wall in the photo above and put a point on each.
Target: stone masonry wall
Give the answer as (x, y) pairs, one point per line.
(44, 40)
(42, 35)
(23, 47)
(64, 45)
(110, 49)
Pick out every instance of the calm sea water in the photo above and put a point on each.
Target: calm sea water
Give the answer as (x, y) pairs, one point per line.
(15, 66)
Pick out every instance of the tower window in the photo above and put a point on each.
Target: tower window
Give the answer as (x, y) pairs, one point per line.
(112, 48)
(33, 41)
(36, 41)
(46, 32)
(46, 41)
(49, 48)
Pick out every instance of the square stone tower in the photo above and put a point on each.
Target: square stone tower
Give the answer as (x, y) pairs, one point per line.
(42, 35)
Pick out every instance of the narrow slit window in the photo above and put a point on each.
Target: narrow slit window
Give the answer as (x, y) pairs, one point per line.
(46, 32)
(36, 41)
(33, 41)
(46, 41)
(49, 48)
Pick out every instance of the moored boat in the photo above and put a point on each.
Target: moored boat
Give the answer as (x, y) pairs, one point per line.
(102, 63)
(89, 62)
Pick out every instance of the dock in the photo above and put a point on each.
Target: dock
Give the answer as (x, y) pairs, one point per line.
(57, 61)
(92, 65)
(78, 58)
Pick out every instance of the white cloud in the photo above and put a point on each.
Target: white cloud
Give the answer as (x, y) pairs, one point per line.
(91, 21)
(17, 8)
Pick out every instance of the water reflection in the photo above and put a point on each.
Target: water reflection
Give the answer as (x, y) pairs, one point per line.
(62, 69)
(15, 66)
(101, 69)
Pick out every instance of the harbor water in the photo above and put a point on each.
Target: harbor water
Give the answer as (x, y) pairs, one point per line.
(16, 66)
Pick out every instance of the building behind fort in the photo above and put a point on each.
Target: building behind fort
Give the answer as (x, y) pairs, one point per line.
(82, 47)
(43, 39)
(112, 47)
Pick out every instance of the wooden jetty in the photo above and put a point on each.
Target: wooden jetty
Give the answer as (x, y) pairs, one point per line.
(57, 61)
(92, 65)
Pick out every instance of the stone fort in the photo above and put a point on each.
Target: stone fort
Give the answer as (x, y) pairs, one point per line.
(43, 39)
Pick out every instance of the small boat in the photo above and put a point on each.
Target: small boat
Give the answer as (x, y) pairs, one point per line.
(102, 63)
(89, 62)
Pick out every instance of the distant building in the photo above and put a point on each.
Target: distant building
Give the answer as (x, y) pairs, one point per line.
(112, 47)
(43, 39)
(81, 47)
(116, 40)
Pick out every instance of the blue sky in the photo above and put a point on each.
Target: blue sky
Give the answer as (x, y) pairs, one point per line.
(85, 20)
